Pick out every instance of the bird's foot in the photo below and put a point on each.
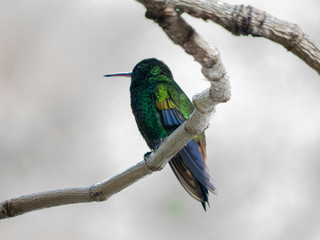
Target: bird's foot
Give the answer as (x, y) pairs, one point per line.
(147, 155)
(158, 142)
(155, 148)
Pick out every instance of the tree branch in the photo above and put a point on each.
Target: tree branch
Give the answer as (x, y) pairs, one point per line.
(245, 20)
(184, 35)
(198, 122)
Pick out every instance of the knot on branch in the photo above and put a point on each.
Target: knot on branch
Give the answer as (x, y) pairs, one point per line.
(248, 21)
(203, 102)
(150, 163)
(214, 73)
(96, 193)
(220, 91)
(192, 131)
(295, 37)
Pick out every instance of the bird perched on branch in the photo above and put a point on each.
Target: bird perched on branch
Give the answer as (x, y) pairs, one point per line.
(160, 106)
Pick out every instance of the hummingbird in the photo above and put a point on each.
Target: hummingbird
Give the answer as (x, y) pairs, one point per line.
(160, 106)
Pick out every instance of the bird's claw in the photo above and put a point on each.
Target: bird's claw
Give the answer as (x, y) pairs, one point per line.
(146, 155)
(155, 148)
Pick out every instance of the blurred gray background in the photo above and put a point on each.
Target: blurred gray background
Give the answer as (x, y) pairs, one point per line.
(62, 125)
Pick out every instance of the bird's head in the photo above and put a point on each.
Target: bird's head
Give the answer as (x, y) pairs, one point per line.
(150, 70)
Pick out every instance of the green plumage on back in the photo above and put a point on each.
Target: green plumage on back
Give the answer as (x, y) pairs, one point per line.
(153, 89)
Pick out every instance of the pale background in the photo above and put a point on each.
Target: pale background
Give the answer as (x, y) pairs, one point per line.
(62, 125)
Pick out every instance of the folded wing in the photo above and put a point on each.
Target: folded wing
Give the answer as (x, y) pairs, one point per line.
(188, 165)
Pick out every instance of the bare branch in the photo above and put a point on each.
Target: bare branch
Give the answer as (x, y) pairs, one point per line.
(198, 122)
(184, 35)
(242, 20)
(36, 201)
(96, 192)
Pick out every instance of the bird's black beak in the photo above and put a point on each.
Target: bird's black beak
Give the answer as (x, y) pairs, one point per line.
(118, 75)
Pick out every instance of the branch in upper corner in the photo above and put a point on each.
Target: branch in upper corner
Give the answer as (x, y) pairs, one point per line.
(247, 20)
(238, 19)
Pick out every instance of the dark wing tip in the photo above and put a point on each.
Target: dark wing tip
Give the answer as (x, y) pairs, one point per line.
(204, 206)
(191, 184)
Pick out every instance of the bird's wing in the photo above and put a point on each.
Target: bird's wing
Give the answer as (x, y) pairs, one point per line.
(174, 108)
